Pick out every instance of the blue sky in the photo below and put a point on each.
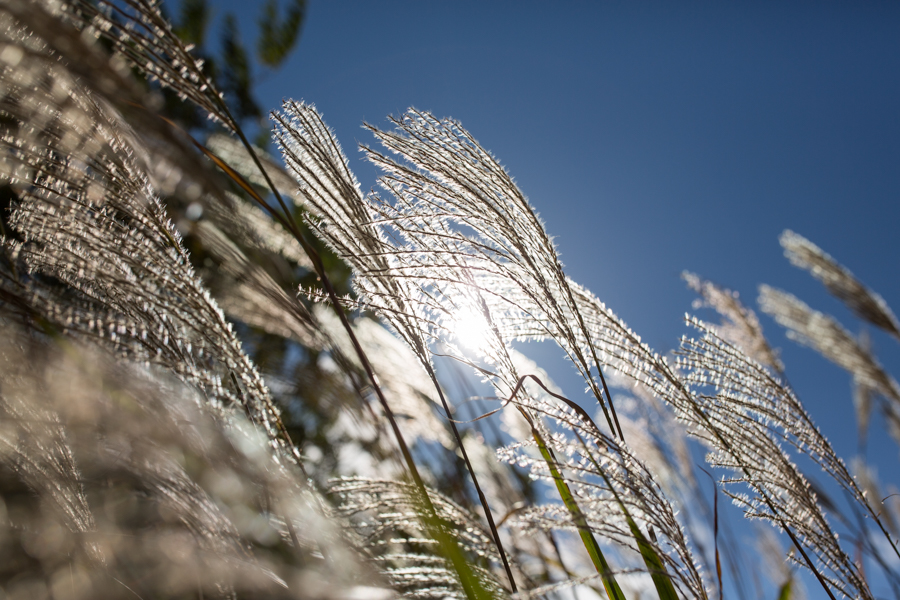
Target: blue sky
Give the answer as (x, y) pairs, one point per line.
(652, 138)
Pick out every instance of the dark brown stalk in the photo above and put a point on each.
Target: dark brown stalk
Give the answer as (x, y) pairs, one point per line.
(367, 366)
(764, 496)
(716, 531)
(319, 268)
(481, 498)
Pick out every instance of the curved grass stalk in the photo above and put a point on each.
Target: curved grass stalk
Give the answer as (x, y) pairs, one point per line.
(582, 427)
(451, 185)
(331, 190)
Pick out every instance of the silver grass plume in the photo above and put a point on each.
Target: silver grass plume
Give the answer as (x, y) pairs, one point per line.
(451, 186)
(34, 443)
(88, 216)
(247, 293)
(52, 39)
(747, 412)
(340, 217)
(740, 326)
(422, 241)
(863, 396)
(723, 427)
(623, 350)
(176, 500)
(444, 299)
(865, 303)
(825, 335)
(616, 491)
(387, 519)
(387, 277)
(763, 397)
(421, 199)
(142, 37)
(343, 220)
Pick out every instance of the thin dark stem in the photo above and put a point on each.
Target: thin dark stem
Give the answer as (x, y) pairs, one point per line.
(806, 558)
(319, 268)
(481, 498)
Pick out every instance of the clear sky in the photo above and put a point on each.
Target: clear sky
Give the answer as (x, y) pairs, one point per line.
(653, 138)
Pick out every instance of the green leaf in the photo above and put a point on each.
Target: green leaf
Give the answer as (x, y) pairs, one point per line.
(193, 21)
(655, 565)
(235, 69)
(277, 34)
(784, 593)
(449, 548)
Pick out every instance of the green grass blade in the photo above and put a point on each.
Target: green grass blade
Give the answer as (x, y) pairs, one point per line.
(590, 543)
(655, 566)
(662, 581)
(785, 592)
(448, 547)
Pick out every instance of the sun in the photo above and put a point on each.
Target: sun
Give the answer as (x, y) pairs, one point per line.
(471, 329)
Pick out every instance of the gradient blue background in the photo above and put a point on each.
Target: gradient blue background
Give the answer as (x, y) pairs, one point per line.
(652, 138)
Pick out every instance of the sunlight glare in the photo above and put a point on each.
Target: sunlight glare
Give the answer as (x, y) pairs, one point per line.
(471, 330)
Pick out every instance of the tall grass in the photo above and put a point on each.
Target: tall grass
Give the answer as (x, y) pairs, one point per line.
(193, 403)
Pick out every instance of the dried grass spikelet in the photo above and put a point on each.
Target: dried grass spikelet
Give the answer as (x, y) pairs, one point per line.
(142, 38)
(865, 303)
(864, 400)
(340, 217)
(741, 326)
(748, 417)
(387, 521)
(388, 277)
(89, 217)
(463, 222)
(612, 486)
(753, 393)
(623, 350)
(722, 425)
(825, 335)
(50, 42)
(178, 500)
